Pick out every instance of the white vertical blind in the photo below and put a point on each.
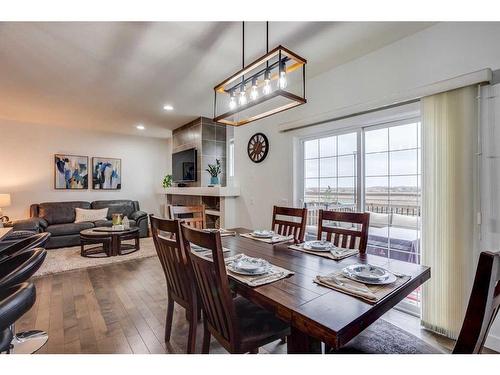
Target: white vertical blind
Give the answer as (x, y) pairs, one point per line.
(449, 140)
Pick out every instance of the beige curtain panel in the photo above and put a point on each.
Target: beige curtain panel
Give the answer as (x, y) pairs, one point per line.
(449, 138)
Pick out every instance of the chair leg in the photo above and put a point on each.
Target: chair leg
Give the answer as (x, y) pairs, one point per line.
(170, 316)
(193, 322)
(206, 340)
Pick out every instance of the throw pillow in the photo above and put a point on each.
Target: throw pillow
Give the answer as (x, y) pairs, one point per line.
(90, 215)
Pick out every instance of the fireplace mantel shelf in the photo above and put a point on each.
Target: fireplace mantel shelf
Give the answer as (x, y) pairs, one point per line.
(222, 191)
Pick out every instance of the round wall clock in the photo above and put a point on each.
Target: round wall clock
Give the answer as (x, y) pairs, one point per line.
(258, 147)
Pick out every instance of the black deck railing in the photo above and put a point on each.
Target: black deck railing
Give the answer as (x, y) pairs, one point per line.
(314, 207)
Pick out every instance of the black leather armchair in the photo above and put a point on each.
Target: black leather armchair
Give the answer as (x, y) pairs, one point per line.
(33, 224)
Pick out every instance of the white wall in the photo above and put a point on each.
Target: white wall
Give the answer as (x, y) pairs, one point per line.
(27, 171)
(437, 53)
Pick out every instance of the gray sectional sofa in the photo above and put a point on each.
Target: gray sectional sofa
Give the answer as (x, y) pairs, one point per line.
(58, 218)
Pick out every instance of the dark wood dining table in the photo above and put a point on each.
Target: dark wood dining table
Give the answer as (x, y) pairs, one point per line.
(317, 313)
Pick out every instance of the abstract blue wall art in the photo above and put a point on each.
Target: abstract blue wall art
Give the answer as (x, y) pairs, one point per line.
(106, 174)
(71, 172)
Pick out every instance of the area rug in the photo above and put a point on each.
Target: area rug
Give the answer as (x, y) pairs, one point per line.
(69, 258)
(383, 337)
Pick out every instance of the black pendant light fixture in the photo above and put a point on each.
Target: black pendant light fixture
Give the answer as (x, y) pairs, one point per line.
(273, 83)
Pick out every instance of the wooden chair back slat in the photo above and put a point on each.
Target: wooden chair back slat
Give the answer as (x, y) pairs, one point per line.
(213, 284)
(343, 237)
(287, 228)
(173, 259)
(483, 305)
(196, 218)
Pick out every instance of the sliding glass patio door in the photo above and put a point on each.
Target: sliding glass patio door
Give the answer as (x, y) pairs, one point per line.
(392, 194)
(375, 169)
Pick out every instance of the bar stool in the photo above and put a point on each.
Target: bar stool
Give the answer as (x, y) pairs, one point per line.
(14, 303)
(31, 242)
(17, 269)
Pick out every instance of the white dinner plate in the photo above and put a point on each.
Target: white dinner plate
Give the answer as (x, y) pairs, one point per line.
(250, 266)
(368, 274)
(263, 233)
(319, 246)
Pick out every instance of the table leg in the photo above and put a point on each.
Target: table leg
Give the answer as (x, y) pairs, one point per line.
(301, 343)
(115, 245)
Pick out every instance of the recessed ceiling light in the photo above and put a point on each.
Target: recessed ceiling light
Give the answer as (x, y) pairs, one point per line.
(140, 127)
(168, 107)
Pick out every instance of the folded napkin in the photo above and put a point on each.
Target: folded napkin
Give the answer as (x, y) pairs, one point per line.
(222, 232)
(275, 239)
(369, 293)
(338, 254)
(275, 273)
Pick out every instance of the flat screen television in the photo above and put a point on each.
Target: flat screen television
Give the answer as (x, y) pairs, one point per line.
(184, 166)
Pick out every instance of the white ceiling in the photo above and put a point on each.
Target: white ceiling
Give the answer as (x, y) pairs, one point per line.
(113, 75)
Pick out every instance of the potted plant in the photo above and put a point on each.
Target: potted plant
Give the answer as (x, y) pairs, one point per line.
(214, 170)
(167, 181)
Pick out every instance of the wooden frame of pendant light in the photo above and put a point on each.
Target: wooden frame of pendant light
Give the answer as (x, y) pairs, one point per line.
(282, 52)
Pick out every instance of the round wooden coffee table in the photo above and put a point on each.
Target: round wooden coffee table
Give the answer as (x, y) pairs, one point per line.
(109, 241)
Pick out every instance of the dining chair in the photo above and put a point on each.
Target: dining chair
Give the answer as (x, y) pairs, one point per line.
(484, 303)
(288, 227)
(239, 325)
(194, 216)
(353, 236)
(181, 287)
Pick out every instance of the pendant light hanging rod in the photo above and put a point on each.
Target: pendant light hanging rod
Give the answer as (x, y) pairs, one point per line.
(267, 42)
(267, 37)
(243, 50)
(243, 45)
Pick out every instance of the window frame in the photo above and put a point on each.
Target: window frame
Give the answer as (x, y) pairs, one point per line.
(299, 175)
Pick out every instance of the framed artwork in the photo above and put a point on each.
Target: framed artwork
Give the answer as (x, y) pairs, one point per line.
(106, 173)
(71, 172)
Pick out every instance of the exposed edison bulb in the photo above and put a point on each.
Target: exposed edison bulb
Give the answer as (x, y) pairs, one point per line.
(282, 79)
(232, 101)
(243, 96)
(267, 84)
(254, 93)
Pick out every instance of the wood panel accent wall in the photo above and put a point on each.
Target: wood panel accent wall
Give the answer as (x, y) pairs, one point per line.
(209, 139)
(186, 137)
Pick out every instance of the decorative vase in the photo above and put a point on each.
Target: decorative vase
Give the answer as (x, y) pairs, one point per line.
(214, 180)
(117, 219)
(126, 223)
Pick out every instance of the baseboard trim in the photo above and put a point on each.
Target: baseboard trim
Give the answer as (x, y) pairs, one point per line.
(493, 343)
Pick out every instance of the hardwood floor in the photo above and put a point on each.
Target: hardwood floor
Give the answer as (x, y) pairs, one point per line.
(120, 308)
